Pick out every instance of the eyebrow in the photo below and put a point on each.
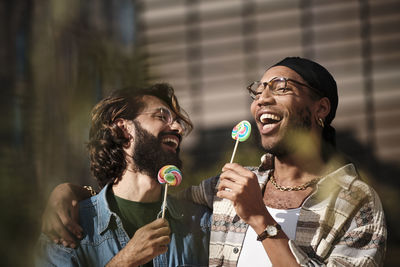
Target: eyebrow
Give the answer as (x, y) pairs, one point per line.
(158, 108)
(274, 78)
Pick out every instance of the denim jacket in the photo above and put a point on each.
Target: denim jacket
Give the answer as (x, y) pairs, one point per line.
(104, 236)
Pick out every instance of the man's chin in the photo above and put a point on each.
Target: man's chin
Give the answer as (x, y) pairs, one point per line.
(277, 150)
(169, 149)
(268, 147)
(176, 161)
(171, 158)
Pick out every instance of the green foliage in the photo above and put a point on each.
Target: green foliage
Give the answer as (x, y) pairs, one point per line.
(64, 58)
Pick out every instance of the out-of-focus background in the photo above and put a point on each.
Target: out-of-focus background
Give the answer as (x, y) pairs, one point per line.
(58, 58)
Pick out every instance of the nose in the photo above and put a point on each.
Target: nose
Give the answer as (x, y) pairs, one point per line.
(266, 97)
(176, 126)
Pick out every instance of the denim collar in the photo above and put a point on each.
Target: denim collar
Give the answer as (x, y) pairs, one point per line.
(174, 209)
(104, 213)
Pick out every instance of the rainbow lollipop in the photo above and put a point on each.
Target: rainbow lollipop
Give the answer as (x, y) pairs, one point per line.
(168, 175)
(240, 133)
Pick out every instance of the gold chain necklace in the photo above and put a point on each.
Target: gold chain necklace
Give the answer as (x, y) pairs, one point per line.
(294, 188)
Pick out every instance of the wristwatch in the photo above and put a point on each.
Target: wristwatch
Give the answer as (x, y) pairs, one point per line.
(270, 231)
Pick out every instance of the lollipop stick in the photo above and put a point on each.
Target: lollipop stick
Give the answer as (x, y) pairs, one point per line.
(164, 201)
(234, 150)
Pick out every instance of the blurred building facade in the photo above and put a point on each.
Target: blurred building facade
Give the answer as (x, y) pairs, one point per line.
(210, 51)
(60, 57)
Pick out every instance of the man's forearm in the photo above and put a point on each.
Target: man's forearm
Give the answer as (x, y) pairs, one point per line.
(121, 260)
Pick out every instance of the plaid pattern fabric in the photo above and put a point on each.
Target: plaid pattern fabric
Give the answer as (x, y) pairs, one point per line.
(340, 224)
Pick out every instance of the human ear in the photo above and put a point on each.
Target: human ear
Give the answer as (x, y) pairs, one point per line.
(125, 128)
(323, 108)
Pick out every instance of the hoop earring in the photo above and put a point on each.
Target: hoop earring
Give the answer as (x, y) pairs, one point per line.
(320, 122)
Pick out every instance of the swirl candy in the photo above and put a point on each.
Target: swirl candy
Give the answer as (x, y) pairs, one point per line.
(241, 131)
(170, 175)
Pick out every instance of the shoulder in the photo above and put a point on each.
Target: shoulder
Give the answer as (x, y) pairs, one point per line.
(89, 207)
(49, 253)
(95, 217)
(95, 205)
(89, 210)
(352, 188)
(345, 192)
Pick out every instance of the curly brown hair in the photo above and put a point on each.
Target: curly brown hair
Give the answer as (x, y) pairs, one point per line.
(106, 139)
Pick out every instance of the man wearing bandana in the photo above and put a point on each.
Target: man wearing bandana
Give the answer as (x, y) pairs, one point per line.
(306, 204)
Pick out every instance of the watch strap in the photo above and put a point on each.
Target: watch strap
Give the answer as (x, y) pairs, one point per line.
(265, 234)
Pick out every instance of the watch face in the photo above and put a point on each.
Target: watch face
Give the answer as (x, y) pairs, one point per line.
(271, 230)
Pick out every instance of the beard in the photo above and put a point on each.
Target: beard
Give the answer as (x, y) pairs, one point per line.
(298, 126)
(149, 156)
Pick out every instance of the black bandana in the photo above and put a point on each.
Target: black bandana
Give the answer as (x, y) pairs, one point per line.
(317, 77)
(320, 79)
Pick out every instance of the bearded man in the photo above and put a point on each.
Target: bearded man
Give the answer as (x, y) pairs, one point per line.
(134, 133)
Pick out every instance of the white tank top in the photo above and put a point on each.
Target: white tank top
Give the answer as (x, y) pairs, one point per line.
(253, 253)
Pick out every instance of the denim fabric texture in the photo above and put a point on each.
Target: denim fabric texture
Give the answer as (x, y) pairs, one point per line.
(104, 236)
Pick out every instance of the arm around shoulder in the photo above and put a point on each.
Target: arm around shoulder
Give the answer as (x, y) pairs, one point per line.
(48, 253)
(60, 218)
(203, 193)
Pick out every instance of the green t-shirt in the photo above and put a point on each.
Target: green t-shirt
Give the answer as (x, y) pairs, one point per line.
(134, 214)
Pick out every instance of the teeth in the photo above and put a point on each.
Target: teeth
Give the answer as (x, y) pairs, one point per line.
(171, 140)
(266, 116)
(267, 126)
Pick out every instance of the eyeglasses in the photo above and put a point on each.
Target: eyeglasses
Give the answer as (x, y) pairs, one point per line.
(277, 86)
(165, 115)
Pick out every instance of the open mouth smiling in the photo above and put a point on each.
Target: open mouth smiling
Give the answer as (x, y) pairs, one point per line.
(269, 120)
(172, 141)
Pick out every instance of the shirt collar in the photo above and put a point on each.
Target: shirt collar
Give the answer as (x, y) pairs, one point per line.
(104, 213)
(173, 208)
(262, 176)
(343, 177)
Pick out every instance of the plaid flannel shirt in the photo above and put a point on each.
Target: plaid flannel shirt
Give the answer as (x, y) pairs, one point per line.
(341, 224)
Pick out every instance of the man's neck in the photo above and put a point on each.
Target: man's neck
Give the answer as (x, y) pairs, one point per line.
(301, 169)
(136, 186)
